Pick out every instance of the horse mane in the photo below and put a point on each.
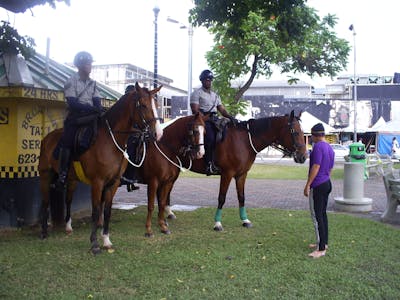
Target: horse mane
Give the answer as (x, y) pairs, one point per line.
(171, 129)
(117, 110)
(258, 126)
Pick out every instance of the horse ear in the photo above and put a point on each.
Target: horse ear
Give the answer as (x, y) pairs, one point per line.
(137, 87)
(292, 115)
(155, 91)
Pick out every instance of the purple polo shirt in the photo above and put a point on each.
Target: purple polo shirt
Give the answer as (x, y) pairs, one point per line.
(322, 155)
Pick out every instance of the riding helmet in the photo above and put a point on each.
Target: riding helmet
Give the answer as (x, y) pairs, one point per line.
(82, 58)
(206, 74)
(129, 88)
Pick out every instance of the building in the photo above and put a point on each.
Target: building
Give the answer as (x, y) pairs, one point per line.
(119, 76)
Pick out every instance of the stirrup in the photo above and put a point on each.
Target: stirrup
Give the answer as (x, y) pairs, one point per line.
(212, 169)
(131, 187)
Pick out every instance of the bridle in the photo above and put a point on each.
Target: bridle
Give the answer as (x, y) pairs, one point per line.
(145, 128)
(144, 132)
(293, 134)
(276, 144)
(191, 145)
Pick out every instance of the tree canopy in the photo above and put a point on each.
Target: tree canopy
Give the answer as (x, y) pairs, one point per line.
(20, 6)
(253, 36)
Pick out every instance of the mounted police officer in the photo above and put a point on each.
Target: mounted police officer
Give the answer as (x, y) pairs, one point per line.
(82, 98)
(209, 103)
(129, 177)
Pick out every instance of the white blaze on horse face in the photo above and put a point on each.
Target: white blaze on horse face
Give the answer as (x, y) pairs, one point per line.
(202, 151)
(159, 130)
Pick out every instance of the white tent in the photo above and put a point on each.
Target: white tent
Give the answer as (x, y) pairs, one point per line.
(391, 126)
(350, 128)
(308, 121)
(378, 125)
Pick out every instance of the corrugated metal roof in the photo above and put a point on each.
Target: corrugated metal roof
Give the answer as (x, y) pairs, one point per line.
(49, 74)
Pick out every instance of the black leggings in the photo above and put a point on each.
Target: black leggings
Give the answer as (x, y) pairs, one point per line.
(320, 195)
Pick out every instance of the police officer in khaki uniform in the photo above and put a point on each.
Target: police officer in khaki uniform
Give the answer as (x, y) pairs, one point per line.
(209, 103)
(82, 98)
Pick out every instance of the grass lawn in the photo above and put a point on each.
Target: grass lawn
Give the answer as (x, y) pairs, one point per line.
(268, 261)
(277, 171)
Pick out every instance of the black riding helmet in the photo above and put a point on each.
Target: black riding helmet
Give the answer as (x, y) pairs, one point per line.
(82, 58)
(129, 88)
(206, 74)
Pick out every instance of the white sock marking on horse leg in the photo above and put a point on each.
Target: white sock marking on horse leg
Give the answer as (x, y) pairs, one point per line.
(68, 226)
(106, 241)
(218, 225)
(247, 221)
(168, 211)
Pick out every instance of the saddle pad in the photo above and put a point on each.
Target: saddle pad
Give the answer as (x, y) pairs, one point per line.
(80, 173)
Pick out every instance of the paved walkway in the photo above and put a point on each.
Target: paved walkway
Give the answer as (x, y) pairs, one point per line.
(282, 194)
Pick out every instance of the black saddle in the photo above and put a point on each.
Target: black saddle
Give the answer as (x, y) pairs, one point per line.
(85, 135)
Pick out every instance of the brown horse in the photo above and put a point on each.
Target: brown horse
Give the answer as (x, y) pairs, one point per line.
(103, 163)
(183, 140)
(236, 154)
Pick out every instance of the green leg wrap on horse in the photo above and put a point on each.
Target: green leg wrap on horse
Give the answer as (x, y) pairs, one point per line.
(242, 212)
(218, 215)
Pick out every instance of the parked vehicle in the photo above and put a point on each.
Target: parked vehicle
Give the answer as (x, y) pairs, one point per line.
(340, 150)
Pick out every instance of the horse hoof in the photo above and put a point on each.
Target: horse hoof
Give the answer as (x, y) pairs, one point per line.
(68, 232)
(171, 217)
(247, 225)
(96, 250)
(109, 249)
(218, 228)
(148, 235)
(166, 231)
(44, 235)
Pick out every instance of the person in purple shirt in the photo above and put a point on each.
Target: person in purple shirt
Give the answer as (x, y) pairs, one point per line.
(319, 186)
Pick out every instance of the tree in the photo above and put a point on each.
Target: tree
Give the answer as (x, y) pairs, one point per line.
(20, 6)
(252, 37)
(11, 41)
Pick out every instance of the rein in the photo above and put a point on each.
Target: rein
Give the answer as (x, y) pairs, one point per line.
(123, 151)
(180, 167)
(285, 151)
(183, 150)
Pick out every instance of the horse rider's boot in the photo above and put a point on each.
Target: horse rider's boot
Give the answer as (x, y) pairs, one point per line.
(130, 184)
(134, 179)
(129, 179)
(63, 168)
(211, 168)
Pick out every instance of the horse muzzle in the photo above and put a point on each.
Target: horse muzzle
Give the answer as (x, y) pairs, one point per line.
(299, 158)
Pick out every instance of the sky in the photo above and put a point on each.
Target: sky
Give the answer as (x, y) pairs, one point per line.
(122, 31)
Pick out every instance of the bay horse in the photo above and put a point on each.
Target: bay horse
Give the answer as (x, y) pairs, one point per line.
(182, 141)
(103, 163)
(236, 153)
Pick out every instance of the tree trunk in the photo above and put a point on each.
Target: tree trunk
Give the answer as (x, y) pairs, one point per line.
(246, 86)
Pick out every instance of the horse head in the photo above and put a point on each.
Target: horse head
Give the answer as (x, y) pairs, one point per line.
(196, 130)
(145, 113)
(293, 140)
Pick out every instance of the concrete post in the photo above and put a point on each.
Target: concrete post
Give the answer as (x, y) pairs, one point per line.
(353, 190)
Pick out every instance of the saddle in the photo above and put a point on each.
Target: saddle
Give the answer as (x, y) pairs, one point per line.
(220, 125)
(85, 136)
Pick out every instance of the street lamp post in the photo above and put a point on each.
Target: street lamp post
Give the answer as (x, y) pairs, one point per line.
(156, 10)
(190, 64)
(190, 57)
(351, 28)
